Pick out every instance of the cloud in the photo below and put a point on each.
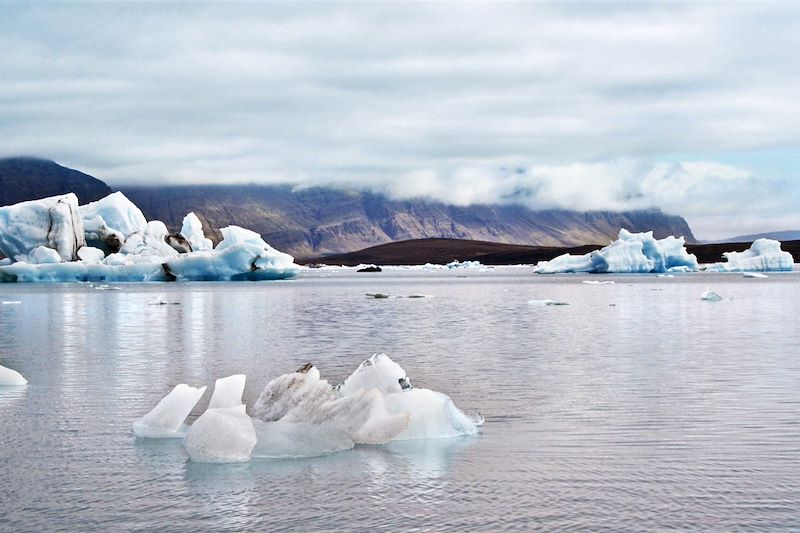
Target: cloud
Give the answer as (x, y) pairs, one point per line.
(591, 102)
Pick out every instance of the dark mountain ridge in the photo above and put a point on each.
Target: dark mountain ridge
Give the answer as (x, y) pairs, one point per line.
(318, 221)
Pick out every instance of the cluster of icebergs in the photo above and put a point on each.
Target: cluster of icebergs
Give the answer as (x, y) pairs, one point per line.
(302, 415)
(55, 239)
(642, 253)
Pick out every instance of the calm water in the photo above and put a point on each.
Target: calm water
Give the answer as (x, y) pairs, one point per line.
(638, 407)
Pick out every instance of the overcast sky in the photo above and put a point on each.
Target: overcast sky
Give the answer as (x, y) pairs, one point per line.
(693, 108)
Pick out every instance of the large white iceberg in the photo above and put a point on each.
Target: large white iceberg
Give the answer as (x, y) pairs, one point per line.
(630, 253)
(165, 420)
(11, 377)
(764, 255)
(46, 242)
(51, 222)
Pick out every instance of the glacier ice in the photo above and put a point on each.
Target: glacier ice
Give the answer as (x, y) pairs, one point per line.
(630, 253)
(192, 230)
(301, 415)
(47, 242)
(165, 420)
(754, 275)
(228, 392)
(221, 435)
(51, 222)
(308, 409)
(9, 377)
(432, 414)
(764, 255)
(117, 213)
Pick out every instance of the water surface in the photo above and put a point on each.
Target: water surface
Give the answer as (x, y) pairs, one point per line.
(637, 407)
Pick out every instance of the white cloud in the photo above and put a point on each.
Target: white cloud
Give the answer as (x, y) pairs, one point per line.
(444, 100)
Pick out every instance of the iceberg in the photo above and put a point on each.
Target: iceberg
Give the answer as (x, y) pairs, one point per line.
(165, 420)
(764, 255)
(630, 253)
(47, 242)
(754, 275)
(221, 435)
(10, 377)
(51, 222)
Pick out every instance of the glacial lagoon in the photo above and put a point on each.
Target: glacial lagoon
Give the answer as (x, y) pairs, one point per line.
(638, 406)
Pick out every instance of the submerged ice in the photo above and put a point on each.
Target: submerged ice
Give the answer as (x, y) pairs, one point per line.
(630, 253)
(54, 239)
(300, 414)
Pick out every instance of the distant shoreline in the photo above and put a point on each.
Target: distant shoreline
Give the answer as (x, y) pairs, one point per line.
(441, 251)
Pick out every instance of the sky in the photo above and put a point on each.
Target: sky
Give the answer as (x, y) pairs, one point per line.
(692, 108)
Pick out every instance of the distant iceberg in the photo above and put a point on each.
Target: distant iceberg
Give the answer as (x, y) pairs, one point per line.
(764, 255)
(630, 253)
(55, 240)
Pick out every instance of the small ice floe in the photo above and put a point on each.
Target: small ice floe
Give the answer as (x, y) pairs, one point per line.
(165, 420)
(419, 296)
(11, 302)
(159, 300)
(105, 287)
(754, 275)
(665, 275)
(548, 302)
(10, 377)
(378, 295)
(711, 296)
(597, 282)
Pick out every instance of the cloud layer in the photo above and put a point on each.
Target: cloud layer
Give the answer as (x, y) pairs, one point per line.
(585, 106)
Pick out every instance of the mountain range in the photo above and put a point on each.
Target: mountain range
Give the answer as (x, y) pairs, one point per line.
(316, 221)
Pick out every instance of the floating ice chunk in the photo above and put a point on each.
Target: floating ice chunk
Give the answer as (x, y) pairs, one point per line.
(378, 295)
(10, 377)
(596, 282)
(156, 228)
(192, 230)
(754, 275)
(221, 435)
(52, 222)
(630, 253)
(302, 408)
(166, 419)
(465, 264)
(380, 372)
(11, 302)
(88, 254)
(228, 392)
(548, 302)
(117, 212)
(764, 255)
(246, 260)
(710, 296)
(431, 414)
